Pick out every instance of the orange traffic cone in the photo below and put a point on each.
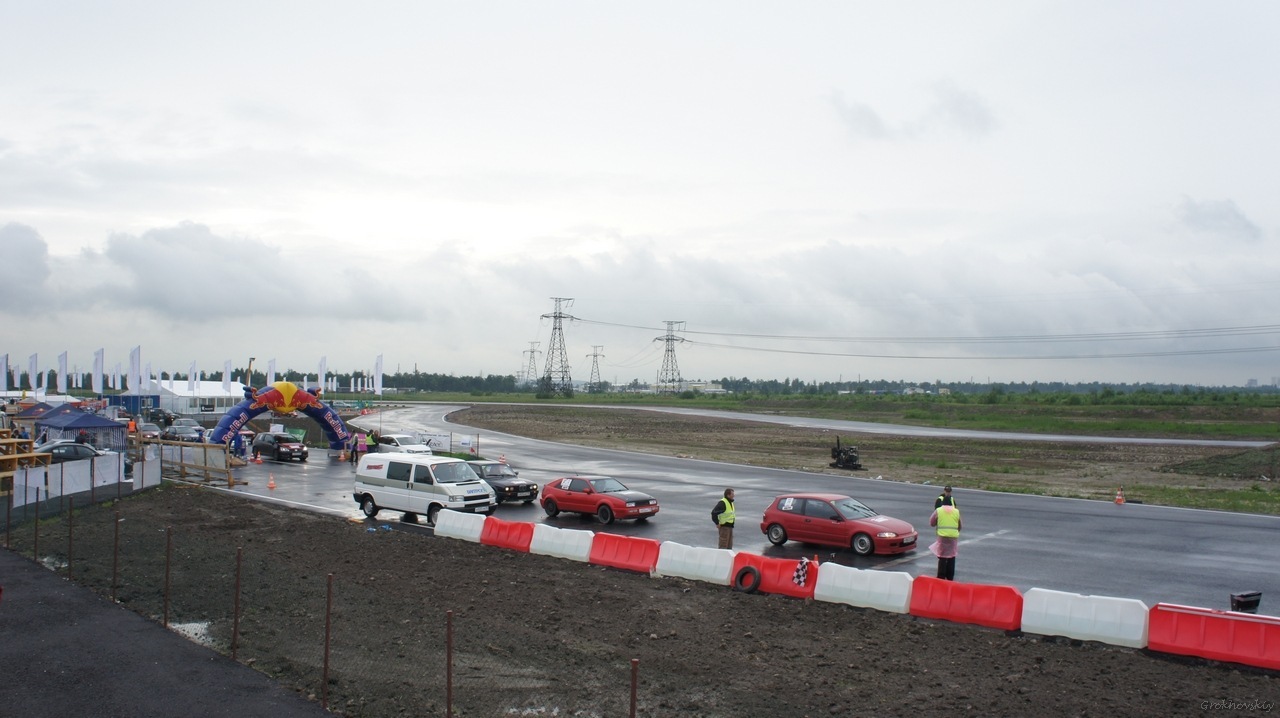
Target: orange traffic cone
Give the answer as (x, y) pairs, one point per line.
(271, 482)
(1120, 495)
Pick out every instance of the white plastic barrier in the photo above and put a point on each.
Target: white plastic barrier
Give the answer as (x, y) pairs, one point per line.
(572, 544)
(882, 590)
(1118, 621)
(713, 565)
(459, 525)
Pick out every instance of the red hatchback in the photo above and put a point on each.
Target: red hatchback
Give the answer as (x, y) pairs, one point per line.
(600, 496)
(835, 520)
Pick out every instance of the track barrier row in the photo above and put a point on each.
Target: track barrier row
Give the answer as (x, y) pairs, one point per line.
(1228, 636)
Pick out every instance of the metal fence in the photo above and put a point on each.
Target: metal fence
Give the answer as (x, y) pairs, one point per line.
(429, 662)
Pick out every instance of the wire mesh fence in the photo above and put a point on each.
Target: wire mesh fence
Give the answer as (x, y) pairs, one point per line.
(339, 634)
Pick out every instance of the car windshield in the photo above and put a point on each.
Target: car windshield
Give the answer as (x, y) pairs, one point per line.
(497, 471)
(453, 473)
(604, 486)
(854, 509)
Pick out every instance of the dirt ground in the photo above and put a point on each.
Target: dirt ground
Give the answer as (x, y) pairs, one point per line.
(541, 636)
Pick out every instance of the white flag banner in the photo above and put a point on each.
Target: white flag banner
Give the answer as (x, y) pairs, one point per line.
(4, 372)
(353, 383)
(115, 377)
(191, 378)
(377, 376)
(31, 371)
(62, 373)
(135, 370)
(148, 379)
(321, 379)
(226, 376)
(99, 365)
(271, 372)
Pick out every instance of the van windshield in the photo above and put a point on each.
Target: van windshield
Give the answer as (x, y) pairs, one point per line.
(453, 473)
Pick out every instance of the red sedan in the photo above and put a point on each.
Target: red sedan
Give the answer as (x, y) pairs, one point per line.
(835, 520)
(600, 496)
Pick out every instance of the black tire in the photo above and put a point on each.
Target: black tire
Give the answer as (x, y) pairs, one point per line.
(432, 513)
(776, 534)
(604, 514)
(863, 545)
(551, 508)
(747, 579)
(369, 508)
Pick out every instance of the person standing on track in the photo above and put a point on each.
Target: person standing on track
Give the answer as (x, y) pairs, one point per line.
(944, 498)
(947, 520)
(722, 516)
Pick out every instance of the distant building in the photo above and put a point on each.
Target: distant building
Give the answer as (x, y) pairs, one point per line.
(208, 397)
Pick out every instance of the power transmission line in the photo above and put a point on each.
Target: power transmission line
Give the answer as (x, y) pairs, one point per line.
(556, 380)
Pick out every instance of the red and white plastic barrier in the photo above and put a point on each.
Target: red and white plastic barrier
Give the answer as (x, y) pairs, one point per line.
(882, 590)
(1118, 621)
(459, 525)
(982, 604)
(1218, 635)
(573, 544)
(713, 565)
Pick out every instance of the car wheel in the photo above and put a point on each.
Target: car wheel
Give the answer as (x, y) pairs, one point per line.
(369, 508)
(550, 507)
(777, 535)
(863, 545)
(604, 514)
(432, 514)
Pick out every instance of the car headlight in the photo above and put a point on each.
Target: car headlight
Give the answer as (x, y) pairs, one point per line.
(631, 504)
(456, 497)
(886, 534)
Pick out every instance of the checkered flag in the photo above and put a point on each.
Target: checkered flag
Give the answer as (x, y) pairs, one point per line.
(802, 572)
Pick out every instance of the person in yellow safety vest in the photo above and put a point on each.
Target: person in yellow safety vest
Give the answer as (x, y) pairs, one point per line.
(947, 520)
(370, 443)
(944, 498)
(722, 516)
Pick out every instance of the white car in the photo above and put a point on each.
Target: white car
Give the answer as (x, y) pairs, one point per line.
(402, 444)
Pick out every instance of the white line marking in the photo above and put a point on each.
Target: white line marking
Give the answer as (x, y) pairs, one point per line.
(926, 555)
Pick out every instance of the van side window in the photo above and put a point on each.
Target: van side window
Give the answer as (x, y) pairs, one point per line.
(398, 471)
(421, 475)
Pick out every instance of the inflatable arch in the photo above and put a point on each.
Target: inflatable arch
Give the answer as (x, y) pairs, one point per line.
(282, 397)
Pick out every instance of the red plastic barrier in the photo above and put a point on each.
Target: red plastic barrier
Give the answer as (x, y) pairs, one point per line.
(507, 534)
(777, 575)
(1218, 635)
(625, 552)
(977, 603)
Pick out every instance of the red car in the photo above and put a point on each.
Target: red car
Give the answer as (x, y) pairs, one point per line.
(835, 520)
(605, 498)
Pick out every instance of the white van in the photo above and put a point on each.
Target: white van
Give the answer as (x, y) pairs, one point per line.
(419, 484)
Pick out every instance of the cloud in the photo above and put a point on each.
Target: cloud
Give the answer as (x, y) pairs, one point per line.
(951, 108)
(26, 258)
(1221, 218)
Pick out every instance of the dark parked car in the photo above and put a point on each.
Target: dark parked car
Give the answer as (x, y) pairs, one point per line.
(505, 481)
(183, 433)
(147, 430)
(70, 450)
(281, 447)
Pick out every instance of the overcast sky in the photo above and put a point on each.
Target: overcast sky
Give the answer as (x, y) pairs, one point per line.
(1009, 191)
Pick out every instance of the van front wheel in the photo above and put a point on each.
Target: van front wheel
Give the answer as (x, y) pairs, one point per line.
(432, 513)
(369, 508)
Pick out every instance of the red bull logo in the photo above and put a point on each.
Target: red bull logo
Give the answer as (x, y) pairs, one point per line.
(284, 397)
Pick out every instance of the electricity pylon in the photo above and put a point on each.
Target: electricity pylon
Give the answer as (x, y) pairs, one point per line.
(669, 379)
(593, 386)
(531, 374)
(556, 379)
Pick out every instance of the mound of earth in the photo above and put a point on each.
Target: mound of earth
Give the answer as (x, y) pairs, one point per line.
(536, 635)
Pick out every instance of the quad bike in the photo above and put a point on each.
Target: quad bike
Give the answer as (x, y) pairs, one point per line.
(846, 457)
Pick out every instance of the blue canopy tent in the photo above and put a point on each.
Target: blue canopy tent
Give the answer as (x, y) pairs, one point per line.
(67, 422)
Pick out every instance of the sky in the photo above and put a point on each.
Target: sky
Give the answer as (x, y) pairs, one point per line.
(826, 191)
